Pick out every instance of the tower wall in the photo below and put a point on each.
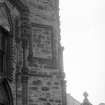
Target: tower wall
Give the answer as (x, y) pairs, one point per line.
(38, 77)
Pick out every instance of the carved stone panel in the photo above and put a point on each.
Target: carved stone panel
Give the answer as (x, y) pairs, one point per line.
(42, 44)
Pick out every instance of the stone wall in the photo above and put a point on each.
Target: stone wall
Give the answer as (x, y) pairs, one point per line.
(38, 77)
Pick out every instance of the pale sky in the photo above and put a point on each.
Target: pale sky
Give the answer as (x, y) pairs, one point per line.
(83, 38)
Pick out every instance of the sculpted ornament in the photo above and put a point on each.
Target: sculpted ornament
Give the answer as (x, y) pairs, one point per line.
(42, 41)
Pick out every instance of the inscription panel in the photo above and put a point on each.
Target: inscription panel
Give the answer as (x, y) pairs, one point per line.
(42, 42)
(42, 45)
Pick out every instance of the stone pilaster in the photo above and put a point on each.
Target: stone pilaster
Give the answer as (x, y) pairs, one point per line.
(24, 36)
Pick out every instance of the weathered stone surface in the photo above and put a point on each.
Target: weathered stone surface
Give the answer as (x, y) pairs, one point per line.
(35, 56)
(44, 89)
(42, 41)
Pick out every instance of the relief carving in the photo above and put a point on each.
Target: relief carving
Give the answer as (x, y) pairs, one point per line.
(42, 45)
